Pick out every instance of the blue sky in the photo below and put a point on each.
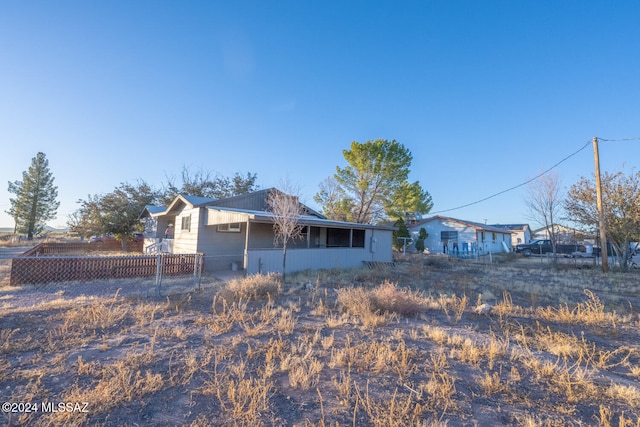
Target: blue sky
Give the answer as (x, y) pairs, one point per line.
(484, 94)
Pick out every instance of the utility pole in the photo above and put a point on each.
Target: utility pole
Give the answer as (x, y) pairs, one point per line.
(601, 225)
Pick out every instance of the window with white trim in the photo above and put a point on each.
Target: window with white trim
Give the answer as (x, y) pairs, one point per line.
(233, 227)
(186, 223)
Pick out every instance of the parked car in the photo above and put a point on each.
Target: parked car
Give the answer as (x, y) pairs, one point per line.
(136, 237)
(101, 239)
(543, 246)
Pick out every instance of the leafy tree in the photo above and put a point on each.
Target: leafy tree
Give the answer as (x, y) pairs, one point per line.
(402, 231)
(35, 202)
(206, 184)
(373, 186)
(620, 205)
(408, 198)
(86, 220)
(422, 236)
(335, 203)
(286, 210)
(115, 213)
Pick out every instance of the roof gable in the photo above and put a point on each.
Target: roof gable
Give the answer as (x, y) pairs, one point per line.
(478, 226)
(257, 201)
(254, 202)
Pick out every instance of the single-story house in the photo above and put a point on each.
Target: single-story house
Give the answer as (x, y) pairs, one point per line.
(238, 232)
(564, 234)
(520, 233)
(460, 236)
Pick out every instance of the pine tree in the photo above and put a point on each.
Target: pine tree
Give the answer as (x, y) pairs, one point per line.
(422, 236)
(35, 202)
(402, 231)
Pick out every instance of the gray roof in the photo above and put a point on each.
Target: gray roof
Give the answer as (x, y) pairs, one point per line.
(197, 200)
(155, 209)
(256, 201)
(476, 225)
(264, 216)
(512, 227)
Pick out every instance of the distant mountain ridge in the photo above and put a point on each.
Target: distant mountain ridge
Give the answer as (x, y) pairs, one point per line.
(47, 228)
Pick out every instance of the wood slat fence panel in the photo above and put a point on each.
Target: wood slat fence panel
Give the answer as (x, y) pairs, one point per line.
(77, 248)
(48, 269)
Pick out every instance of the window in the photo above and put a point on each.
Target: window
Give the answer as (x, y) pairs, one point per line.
(234, 227)
(494, 237)
(338, 237)
(358, 239)
(186, 223)
(448, 235)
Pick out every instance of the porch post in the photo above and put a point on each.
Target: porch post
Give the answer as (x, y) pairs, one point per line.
(308, 236)
(246, 247)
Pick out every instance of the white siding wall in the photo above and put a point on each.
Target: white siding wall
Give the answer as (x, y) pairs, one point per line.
(434, 228)
(524, 236)
(186, 241)
(466, 234)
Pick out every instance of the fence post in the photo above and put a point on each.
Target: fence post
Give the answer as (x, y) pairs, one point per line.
(159, 271)
(197, 272)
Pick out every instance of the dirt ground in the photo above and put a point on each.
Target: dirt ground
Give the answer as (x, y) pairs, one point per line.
(429, 341)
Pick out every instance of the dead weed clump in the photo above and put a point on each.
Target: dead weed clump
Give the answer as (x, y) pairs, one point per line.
(385, 299)
(254, 287)
(591, 312)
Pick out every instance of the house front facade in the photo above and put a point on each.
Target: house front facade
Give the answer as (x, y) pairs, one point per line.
(238, 233)
(451, 235)
(520, 233)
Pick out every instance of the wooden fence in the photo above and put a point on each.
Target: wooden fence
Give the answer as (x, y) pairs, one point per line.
(47, 269)
(58, 248)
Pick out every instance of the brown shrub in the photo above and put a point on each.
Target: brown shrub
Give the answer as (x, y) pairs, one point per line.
(254, 287)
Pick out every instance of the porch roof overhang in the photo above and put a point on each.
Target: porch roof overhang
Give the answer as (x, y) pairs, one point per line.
(243, 215)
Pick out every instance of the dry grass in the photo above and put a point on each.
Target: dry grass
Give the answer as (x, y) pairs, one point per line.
(253, 287)
(399, 346)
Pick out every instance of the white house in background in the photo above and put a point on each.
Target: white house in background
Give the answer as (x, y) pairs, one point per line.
(448, 235)
(520, 233)
(564, 235)
(237, 232)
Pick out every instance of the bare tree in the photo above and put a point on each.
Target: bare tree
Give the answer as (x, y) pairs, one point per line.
(286, 209)
(621, 206)
(544, 202)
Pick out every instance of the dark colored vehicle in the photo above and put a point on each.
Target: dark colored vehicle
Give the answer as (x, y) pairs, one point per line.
(136, 237)
(101, 239)
(543, 246)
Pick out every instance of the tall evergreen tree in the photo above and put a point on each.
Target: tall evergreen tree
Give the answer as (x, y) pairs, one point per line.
(35, 202)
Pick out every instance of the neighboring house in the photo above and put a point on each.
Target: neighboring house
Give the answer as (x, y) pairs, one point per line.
(564, 235)
(237, 232)
(456, 235)
(520, 233)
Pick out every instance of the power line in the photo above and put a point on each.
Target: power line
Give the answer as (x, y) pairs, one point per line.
(519, 185)
(617, 140)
